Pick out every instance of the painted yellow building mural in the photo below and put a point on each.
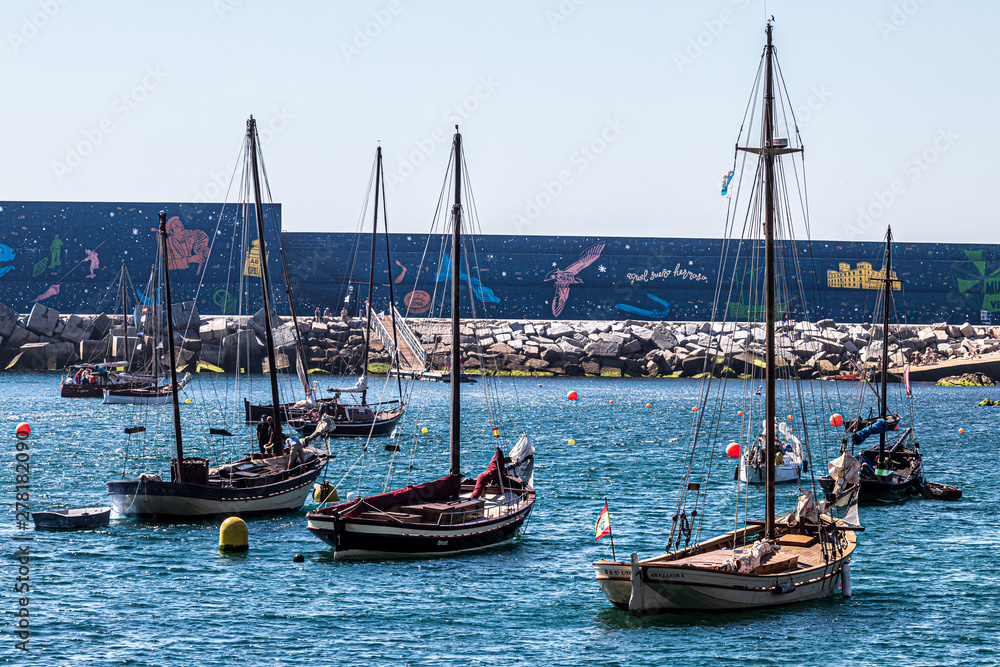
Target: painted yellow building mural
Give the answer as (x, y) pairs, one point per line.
(861, 277)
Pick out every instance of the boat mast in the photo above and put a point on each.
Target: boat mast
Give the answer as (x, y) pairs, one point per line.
(456, 260)
(125, 356)
(887, 287)
(769, 410)
(170, 346)
(265, 283)
(371, 274)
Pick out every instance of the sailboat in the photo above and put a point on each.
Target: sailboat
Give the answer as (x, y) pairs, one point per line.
(89, 380)
(893, 470)
(796, 556)
(155, 391)
(449, 515)
(353, 419)
(266, 483)
(790, 462)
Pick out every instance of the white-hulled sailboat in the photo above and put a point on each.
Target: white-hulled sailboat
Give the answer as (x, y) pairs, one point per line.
(784, 558)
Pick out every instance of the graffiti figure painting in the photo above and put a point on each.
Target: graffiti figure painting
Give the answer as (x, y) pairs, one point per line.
(566, 278)
(185, 246)
(94, 263)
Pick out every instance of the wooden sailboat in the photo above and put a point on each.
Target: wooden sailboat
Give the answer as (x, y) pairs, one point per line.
(447, 515)
(361, 418)
(256, 484)
(90, 380)
(782, 559)
(893, 470)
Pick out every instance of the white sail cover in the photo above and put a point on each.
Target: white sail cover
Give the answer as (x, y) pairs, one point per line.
(749, 560)
(360, 386)
(522, 460)
(843, 502)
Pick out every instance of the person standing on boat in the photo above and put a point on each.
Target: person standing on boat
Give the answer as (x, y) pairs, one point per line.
(296, 452)
(263, 434)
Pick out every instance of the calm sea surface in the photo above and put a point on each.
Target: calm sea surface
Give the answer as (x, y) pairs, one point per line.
(925, 573)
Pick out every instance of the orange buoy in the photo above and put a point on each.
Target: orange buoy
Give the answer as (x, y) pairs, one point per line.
(23, 430)
(572, 396)
(739, 414)
(611, 402)
(733, 449)
(694, 409)
(961, 430)
(790, 418)
(649, 405)
(836, 420)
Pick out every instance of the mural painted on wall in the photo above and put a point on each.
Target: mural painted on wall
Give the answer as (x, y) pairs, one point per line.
(530, 277)
(978, 279)
(566, 278)
(862, 277)
(56, 253)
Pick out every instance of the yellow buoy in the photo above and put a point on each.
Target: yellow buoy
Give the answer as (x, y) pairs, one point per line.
(187, 400)
(423, 430)
(233, 535)
(572, 441)
(325, 492)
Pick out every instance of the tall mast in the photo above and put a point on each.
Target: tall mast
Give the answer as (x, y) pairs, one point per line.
(887, 287)
(371, 274)
(769, 410)
(170, 345)
(456, 293)
(265, 281)
(125, 356)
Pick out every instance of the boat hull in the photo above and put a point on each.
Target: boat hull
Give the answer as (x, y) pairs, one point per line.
(162, 500)
(783, 474)
(360, 538)
(378, 428)
(88, 517)
(676, 589)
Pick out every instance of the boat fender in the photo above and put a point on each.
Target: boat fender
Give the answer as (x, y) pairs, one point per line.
(785, 588)
(845, 579)
(805, 465)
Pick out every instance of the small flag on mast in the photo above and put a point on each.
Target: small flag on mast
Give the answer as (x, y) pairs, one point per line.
(757, 393)
(726, 180)
(496, 433)
(603, 527)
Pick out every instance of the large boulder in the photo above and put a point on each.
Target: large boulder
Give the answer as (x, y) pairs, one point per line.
(8, 320)
(42, 320)
(664, 339)
(603, 348)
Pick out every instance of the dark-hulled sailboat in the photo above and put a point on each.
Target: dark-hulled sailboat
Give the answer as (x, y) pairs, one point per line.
(892, 471)
(256, 484)
(447, 515)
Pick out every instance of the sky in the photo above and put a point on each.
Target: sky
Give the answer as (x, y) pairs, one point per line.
(579, 117)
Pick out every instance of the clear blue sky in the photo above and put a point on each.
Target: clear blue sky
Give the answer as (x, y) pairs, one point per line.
(134, 100)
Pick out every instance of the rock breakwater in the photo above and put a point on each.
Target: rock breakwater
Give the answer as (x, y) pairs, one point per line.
(46, 339)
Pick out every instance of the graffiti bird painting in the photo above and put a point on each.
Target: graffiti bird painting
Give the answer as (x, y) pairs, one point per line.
(566, 278)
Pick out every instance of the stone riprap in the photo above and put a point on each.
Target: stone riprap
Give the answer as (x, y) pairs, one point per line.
(46, 339)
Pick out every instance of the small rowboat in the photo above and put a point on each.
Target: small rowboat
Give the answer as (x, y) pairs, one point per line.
(86, 517)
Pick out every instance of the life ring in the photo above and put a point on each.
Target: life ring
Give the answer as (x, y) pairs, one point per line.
(312, 415)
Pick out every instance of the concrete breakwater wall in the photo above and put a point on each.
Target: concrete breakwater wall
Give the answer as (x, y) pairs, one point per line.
(46, 339)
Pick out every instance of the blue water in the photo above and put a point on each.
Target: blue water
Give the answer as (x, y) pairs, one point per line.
(925, 575)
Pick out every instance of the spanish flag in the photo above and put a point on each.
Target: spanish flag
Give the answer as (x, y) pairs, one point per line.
(496, 433)
(603, 526)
